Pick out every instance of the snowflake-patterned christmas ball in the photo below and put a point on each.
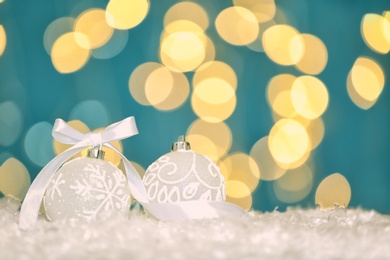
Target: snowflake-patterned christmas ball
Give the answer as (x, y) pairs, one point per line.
(184, 175)
(86, 188)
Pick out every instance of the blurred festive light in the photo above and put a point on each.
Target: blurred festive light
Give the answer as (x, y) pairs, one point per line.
(55, 29)
(113, 47)
(237, 189)
(355, 96)
(386, 33)
(257, 45)
(187, 11)
(138, 79)
(92, 23)
(11, 123)
(367, 78)
(315, 55)
(289, 143)
(333, 191)
(245, 202)
(3, 40)
(375, 32)
(279, 95)
(264, 10)
(183, 51)
(61, 147)
(177, 96)
(38, 143)
(14, 179)
(213, 113)
(159, 85)
(203, 145)
(152, 83)
(237, 25)
(283, 44)
(215, 69)
(67, 55)
(217, 136)
(294, 185)
(269, 169)
(316, 132)
(126, 14)
(309, 96)
(215, 82)
(92, 112)
(241, 167)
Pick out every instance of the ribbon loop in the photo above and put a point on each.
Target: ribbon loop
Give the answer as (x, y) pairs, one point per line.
(95, 139)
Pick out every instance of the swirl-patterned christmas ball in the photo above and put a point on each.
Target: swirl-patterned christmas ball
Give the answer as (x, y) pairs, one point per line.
(184, 175)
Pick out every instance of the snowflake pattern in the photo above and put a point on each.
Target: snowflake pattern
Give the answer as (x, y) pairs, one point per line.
(88, 188)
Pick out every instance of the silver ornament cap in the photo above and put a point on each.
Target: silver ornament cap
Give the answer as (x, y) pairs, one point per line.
(96, 152)
(181, 144)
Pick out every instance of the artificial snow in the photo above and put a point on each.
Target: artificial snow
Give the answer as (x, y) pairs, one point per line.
(294, 234)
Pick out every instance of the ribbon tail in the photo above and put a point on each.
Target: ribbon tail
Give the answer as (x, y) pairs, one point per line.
(193, 210)
(30, 208)
(134, 181)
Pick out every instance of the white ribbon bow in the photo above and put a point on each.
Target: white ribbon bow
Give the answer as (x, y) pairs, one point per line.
(64, 133)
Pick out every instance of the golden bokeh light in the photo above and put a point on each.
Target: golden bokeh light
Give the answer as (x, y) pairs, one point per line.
(215, 82)
(237, 25)
(67, 56)
(237, 189)
(217, 138)
(187, 11)
(241, 167)
(269, 169)
(61, 147)
(257, 45)
(309, 97)
(215, 69)
(137, 81)
(315, 55)
(214, 91)
(203, 145)
(158, 85)
(279, 95)
(245, 203)
(3, 39)
(355, 96)
(14, 179)
(126, 14)
(316, 132)
(178, 95)
(92, 23)
(154, 84)
(55, 29)
(294, 185)
(283, 44)
(367, 78)
(334, 191)
(213, 113)
(183, 51)
(375, 32)
(289, 143)
(264, 10)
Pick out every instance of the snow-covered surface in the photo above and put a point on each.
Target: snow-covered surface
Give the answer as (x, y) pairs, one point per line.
(294, 234)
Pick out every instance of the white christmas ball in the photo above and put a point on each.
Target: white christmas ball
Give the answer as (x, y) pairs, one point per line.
(86, 188)
(184, 175)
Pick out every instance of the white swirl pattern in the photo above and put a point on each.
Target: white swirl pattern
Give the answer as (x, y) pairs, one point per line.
(184, 176)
